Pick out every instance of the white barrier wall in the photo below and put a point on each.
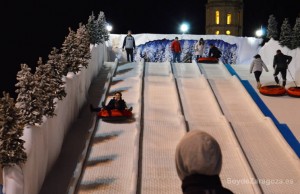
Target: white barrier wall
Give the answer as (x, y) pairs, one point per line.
(43, 143)
(248, 44)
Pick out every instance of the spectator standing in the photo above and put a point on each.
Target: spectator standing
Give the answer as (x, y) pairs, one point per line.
(199, 49)
(176, 50)
(129, 45)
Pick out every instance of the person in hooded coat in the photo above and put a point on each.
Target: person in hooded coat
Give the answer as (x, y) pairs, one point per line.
(198, 161)
(199, 49)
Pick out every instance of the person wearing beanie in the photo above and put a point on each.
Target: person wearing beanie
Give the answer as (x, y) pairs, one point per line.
(198, 161)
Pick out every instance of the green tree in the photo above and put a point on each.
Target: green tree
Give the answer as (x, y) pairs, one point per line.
(12, 150)
(54, 59)
(29, 96)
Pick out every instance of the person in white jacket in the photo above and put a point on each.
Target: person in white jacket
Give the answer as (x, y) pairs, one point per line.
(257, 67)
(199, 49)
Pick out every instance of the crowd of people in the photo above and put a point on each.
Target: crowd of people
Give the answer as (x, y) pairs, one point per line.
(176, 49)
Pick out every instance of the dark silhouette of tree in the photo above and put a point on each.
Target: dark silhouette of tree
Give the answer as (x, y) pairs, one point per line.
(272, 31)
(285, 38)
(296, 34)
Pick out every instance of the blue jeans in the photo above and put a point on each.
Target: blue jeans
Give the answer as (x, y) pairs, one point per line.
(176, 57)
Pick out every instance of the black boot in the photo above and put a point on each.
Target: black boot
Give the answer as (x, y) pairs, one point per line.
(276, 80)
(283, 83)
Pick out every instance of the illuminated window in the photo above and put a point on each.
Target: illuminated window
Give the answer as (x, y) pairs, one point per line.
(217, 17)
(217, 32)
(229, 18)
(227, 32)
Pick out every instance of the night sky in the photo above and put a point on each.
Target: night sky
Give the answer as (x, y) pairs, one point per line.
(29, 29)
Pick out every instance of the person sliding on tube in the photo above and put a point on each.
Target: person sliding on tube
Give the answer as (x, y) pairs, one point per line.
(116, 103)
(280, 64)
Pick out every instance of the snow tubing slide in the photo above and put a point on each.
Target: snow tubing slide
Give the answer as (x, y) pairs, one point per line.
(208, 60)
(114, 114)
(293, 91)
(272, 90)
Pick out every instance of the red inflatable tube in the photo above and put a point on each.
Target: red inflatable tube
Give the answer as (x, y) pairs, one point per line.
(272, 90)
(114, 114)
(208, 60)
(293, 91)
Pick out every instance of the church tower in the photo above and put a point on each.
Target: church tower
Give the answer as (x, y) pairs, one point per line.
(224, 17)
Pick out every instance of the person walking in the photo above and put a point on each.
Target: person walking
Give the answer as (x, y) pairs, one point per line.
(198, 160)
(129, 45)
(257, 67)
(280, 64)
(176, 50)
(199, 49)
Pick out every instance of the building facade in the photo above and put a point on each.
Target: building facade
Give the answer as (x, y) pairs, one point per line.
(224, 17)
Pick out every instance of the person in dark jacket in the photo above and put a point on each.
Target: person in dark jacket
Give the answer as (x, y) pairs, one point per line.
(214, 51)
(129, 45)
(198, 161)
(116, 103)
(280, 64)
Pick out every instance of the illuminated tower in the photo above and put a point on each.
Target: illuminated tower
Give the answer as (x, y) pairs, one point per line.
(224, 17)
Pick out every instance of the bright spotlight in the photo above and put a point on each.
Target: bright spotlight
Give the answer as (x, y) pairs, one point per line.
(259, 32)
(109, 27)
(184, 28)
